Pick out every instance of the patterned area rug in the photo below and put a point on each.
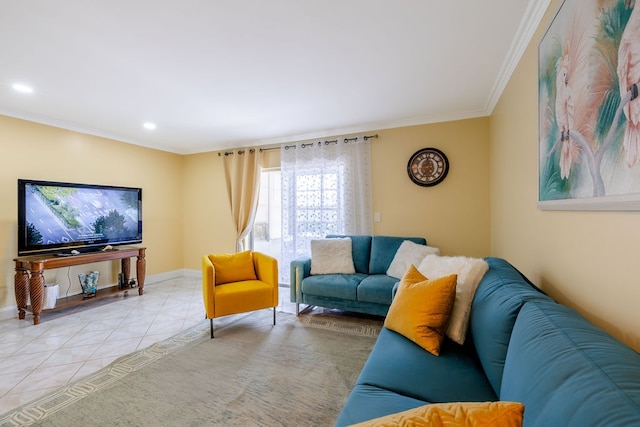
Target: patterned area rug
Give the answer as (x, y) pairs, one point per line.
(297, 373)
(339, 321)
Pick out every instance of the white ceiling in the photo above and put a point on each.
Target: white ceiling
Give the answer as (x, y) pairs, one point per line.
(216, 74)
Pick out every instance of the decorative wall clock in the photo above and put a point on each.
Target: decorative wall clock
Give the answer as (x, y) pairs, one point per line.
(428, 167)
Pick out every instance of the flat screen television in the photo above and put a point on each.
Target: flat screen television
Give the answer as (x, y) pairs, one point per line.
(61, 217)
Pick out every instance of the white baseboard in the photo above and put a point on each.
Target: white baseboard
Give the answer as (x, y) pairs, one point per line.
(195, 274)
(175, 274)
(7, 313)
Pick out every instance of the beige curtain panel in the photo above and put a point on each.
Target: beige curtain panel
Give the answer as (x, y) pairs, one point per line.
(242, 171)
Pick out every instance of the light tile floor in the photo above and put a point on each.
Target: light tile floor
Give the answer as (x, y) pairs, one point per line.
(70, 344)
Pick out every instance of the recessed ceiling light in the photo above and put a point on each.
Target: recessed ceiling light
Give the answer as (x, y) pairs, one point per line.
(149, 126)
(22, 88)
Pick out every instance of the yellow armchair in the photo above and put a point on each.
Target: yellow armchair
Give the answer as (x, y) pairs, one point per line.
(239, 283)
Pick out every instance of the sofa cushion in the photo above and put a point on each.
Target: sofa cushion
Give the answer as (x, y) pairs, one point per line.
(361, 251)
(342, 286)
(376, 288)
(401, 366)
(470, 271)
(384, 248)
(366, 402)
(496, 304)
(407, 254)
(494, 414)
(331, 256)
(421, 308)
(345, 304)
(568, 372)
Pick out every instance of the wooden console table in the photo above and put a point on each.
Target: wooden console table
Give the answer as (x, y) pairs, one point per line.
(29, 273)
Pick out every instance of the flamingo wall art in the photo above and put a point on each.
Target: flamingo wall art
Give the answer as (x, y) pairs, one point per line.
(589, 108)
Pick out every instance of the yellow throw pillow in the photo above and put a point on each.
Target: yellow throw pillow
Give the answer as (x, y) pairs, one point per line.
(468, 414)
(233, 267)
(421, 308)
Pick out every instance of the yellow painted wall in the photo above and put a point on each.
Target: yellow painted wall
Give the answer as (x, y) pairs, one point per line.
(208, 227)
(587, 260)
(453, 215)
(35, 151)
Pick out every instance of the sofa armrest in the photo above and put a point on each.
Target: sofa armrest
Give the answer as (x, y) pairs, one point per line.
(394, 291)
(300, 268)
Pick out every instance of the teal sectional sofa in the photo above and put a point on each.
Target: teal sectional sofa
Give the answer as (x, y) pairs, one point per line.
(521, 346)
(369, 290)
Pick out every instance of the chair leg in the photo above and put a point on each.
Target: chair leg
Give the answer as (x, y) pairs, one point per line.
(211, 323)
(274, 316)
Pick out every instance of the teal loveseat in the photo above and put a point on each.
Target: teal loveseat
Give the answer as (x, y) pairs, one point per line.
(521, 346)
(369, 290)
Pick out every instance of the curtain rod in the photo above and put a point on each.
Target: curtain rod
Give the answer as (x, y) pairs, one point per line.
(334, 141)
(304, 145)
(228, 153)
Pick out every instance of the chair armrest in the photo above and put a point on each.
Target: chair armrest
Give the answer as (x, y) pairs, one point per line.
(266, 268)
(299, 269)
(208, 286)
(267, 271)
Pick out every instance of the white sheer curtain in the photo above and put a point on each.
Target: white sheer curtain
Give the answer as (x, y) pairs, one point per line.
(326, 189)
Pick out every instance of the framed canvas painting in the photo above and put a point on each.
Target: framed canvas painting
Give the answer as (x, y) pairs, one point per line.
(589, 109)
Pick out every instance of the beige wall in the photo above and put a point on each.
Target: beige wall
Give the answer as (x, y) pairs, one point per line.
(209, 226)
(587, 260)
(453, 215)
(35, 151)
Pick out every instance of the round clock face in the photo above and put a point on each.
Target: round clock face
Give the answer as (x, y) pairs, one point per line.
(427, 167)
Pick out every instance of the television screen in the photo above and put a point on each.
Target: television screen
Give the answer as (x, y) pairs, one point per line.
(59, 216)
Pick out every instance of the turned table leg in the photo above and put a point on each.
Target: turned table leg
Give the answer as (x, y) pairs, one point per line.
(124, 264)
(21, 283)
(141, 270)
(36, 291)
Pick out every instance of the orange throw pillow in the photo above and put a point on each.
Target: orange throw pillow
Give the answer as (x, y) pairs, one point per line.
(468, 414)
(421, 308)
